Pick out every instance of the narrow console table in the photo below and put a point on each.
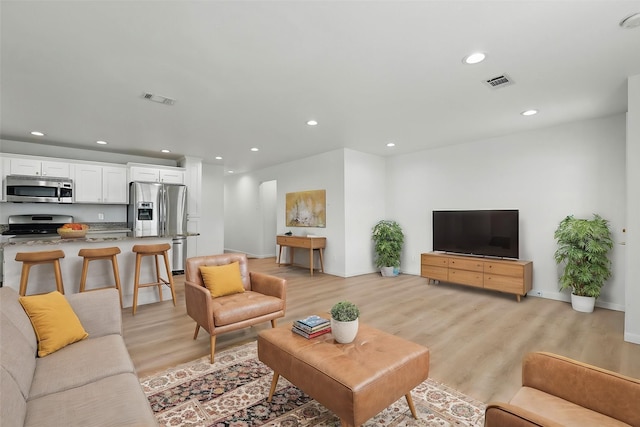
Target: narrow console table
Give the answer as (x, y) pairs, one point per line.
(509, 276)
(311, 243)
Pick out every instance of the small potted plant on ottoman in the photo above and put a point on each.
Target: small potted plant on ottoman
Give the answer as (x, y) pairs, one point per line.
(344, 321)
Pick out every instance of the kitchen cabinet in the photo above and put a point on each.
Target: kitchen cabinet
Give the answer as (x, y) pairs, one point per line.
(26, 166)
(100, 184)
(155, 174)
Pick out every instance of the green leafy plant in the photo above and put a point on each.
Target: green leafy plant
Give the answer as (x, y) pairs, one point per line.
(345, 311)
(388, 239)
(583, 246)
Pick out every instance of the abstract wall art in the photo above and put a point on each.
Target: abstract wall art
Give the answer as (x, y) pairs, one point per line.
(306, 208)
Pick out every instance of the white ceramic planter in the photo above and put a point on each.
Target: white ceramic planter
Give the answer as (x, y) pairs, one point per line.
(389, 271)
(344, 332)
(583, 304)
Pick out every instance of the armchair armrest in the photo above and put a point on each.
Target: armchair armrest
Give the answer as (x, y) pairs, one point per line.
(268, 285)
(199, 305)
(99, 311)
(503, 414)
(598, 389)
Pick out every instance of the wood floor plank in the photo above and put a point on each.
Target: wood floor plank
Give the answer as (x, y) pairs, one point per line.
(476, 338)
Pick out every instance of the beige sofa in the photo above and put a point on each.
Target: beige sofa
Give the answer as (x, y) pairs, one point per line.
(558, 391)
(89, 383)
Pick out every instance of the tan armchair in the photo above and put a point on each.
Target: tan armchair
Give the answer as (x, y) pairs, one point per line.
(264, 298)
(558, 391)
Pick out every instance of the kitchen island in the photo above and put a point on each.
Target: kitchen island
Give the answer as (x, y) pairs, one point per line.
(41, 279)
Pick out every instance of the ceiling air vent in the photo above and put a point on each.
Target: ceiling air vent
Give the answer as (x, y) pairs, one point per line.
(158, 98)
(499, 81)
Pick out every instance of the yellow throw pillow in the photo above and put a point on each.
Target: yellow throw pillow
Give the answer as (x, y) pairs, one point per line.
(222, 280)
(54, 321)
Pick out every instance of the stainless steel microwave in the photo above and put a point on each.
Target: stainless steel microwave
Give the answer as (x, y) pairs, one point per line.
(38, 189)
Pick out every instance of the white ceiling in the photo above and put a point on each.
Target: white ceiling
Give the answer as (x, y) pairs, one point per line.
(251, 73)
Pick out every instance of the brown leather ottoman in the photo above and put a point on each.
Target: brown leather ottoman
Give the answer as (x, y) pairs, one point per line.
(355, 381)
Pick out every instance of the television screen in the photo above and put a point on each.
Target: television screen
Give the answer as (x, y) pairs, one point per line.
(477, 232)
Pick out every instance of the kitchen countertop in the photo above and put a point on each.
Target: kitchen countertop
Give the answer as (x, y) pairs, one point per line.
(97, 232)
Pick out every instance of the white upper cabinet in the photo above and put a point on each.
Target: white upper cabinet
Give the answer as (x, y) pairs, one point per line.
(24, 166)
(171, 176)
(168, 175)
(114, 185)
(100, 184)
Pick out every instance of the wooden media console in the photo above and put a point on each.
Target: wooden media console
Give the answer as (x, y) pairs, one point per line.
(509, 276)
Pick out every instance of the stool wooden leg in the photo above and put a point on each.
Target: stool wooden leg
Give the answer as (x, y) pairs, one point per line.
(58, 274)
(155, 257)
(83, 277)
(195, 335)
(116, 275)
(136, 282)
(170, 277)
(24, 278)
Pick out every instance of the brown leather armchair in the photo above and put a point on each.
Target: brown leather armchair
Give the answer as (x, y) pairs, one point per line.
(264, 298)
(558, 391)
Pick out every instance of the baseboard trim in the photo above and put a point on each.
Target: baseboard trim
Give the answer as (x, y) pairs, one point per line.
(632, 338)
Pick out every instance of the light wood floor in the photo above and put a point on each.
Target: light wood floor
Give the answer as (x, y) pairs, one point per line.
(476, 338)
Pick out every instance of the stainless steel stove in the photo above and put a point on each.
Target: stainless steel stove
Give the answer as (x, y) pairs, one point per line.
(36, 226)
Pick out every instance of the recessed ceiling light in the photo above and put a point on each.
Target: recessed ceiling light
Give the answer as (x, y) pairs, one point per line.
(101, 142)
(631, 21)
(230, 171)
(36, 133)
(529, 112)
(312, 122)
(165, 151)
(255, 149)
(391, 144)
(474, 58)
(218, 158)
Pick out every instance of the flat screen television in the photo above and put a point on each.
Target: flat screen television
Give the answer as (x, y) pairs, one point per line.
(491, 233)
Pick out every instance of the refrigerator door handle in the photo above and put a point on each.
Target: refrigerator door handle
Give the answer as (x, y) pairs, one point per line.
(163, 211)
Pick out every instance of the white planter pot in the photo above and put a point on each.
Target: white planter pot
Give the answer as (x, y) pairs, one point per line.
(583, 304)
(389, 271)
(344, 332)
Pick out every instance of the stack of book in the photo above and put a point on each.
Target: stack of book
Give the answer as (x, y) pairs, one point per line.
(311, 326)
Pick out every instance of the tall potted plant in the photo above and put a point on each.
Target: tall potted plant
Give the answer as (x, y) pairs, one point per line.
(388, 239)
(583, 246)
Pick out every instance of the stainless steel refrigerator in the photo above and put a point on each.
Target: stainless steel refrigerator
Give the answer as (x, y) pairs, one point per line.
(160, 210)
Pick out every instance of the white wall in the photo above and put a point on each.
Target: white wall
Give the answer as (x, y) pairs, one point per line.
(364, 206)
(632, 311)
(577, 168)
(211, 224)
(243, 224)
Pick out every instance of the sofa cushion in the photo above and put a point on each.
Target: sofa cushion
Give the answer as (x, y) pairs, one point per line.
(79, 364)
(561, 411)
(18, 356)
(222, 280)
(247, 305)
(13, 408)
(54, 321)
(12, 308)
(113, 401)
(99, 311)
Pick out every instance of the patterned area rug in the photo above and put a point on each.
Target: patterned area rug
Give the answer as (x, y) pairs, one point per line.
(233, 392)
